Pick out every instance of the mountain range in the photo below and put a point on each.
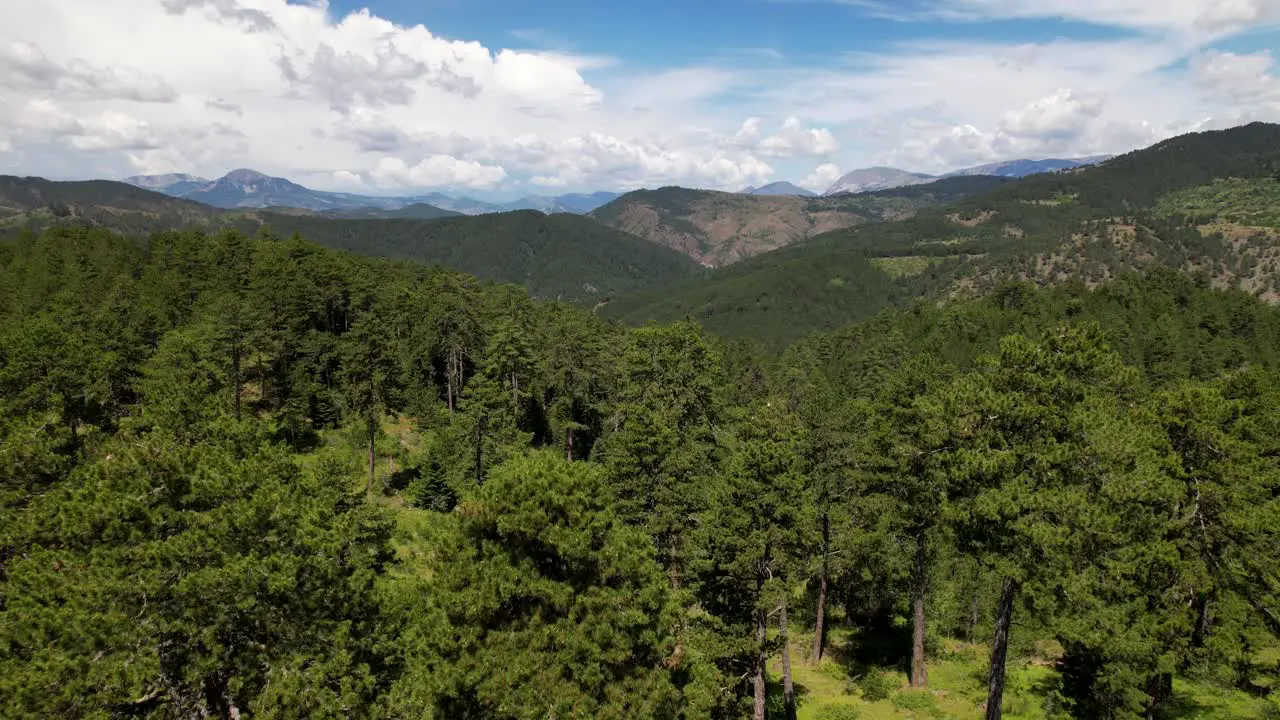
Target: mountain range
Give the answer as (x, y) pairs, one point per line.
(884, 178)
(251, 189)
(784, 266)
(780, 188)
(1204, 203)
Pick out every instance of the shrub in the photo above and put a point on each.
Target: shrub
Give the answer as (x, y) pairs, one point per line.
(877, 686)
(917, 702)
(837, 712)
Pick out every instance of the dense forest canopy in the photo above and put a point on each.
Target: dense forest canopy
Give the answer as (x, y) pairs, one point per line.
(247, 476)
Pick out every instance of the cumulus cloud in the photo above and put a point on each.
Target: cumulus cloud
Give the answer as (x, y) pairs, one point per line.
(357, 101)
(793, 139)
(822, 178)
(1238, 78)
(24, 66)
(435, 171)
(1063, 114)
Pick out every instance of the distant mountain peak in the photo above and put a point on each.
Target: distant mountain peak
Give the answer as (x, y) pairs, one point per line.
(1023, 167)
(877, 178)
(780, 188)
(245, 175)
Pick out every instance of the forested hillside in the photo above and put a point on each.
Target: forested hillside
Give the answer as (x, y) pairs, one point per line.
(558, 256)
(719, 228)
(1092, 224)
(247, 476)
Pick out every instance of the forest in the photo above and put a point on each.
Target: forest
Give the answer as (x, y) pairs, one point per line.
(244, 476)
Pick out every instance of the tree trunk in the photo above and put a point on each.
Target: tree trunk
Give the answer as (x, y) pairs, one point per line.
(373, 429)
(480, 429)
(1159, 690)
(568, 444)
(974, 608)
(448, 377)
(788, 688)
(761, 637)
(1202, 621)
(919, 673)
(819, 625)
(1000, 649)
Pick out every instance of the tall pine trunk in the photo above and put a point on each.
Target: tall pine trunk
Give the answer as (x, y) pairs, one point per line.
(481, 424)
(761, 638)
(1000, 649)
(919, 673)
(819, 625)
(788, 688)
(373, 428)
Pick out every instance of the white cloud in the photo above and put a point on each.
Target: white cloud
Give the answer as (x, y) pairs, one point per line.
(437, 170)
(822, 178)
(793, 139)
(357, 102)
(1065, 113)
(1238, 78)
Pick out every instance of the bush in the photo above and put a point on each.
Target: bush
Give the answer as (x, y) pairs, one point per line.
(430, 491)
(837, 712)
(877, 686)
(917, 702)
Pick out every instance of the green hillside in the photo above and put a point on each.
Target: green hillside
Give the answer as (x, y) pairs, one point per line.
(720, 228)
(563, 256)
(36, 202)
(560, 256)
(1088, 225)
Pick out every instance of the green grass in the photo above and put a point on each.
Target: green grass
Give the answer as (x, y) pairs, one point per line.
(957, 689)
(909, 266)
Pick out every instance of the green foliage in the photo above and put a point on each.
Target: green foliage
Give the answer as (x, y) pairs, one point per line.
(920, 703)
(837, 712)
(561, 256)
(1254, 202)
(877, 686)
(553, 607)
(165, 578)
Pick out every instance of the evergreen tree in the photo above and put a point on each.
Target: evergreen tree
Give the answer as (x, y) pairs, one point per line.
(544, 605)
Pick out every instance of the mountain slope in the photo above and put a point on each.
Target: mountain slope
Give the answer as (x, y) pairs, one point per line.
(31, 201)
(565, 256)
(781, 188)
(1023, 168)
(718, 229)
(417, 211)
(1085, 225)
(176, 184)
(876, 178)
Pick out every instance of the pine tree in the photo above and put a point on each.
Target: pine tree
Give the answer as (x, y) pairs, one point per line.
(548, 606)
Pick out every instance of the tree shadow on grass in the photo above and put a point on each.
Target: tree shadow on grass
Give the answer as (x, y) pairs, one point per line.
(877, 645)
(775, 707)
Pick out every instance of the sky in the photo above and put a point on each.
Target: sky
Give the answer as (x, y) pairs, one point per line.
(504, 98)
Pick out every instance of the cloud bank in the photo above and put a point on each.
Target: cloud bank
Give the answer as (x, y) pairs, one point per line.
(360, 102)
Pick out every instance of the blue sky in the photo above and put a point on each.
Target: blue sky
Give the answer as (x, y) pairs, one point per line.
(499, 98)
